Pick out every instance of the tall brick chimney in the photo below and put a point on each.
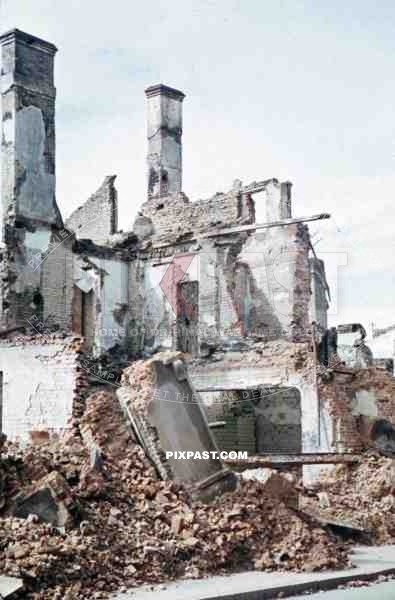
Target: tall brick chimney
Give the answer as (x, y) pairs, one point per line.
(164, 132)
(28, 130)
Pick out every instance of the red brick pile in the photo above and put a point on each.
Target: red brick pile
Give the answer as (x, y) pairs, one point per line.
(362, 495)
(131, 528)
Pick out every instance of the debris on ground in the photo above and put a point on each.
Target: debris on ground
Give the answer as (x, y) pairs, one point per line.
(144, 397)
(49, 499)
(275, 485)
(133, 528)
(9, 586)
(361, 495)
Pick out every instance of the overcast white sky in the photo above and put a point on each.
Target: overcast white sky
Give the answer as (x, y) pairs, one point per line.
(299, 90)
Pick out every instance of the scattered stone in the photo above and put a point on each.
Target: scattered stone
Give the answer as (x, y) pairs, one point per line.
(135, 529)
(275, 485)
(50, 499)
(361, 496)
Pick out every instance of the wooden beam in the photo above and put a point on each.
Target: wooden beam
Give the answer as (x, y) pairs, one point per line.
(276, 460)
(255, 226)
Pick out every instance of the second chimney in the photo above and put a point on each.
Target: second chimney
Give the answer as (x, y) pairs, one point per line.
(164, 132)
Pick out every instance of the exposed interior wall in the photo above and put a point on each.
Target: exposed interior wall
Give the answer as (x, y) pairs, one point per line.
(255, 285)
(249, 284)
(279, 421)
(260, 421)
(276, 262)
(57, 281)
(382, 344)
(277, 363)
(42, 382)
(352, 349)
(187, 324)
(102, 304)
(278, 201)
(37, 281)
(367, 392)
(97, 219)
(136, 295)
(237, 433)
(159, 317)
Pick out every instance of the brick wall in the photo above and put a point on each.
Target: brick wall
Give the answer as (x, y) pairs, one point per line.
(266, 420)
(369, 392)
(175, 216)
(238, 431)
(43, 383)
(97, 218)
(57, 281)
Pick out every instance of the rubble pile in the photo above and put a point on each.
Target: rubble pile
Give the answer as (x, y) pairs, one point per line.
(362, 495)
(128, 527)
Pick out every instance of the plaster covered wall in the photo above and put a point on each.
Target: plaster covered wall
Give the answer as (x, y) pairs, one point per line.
(38, 279)
(255, 285)
(35, 197)
(29, 208)
(276, 262)
(159, 317)
(112, 318)
(107, 279)
(249, 284)
(382, 343)
(41, 379)
(28, 140)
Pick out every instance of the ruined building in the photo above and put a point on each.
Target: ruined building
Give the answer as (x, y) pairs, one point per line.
(245, 301)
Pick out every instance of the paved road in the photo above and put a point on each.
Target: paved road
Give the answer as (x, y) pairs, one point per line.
(380, 591)
(368, 561)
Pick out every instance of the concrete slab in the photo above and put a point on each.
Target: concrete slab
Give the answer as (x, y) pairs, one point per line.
(369, 562)
(9, 586)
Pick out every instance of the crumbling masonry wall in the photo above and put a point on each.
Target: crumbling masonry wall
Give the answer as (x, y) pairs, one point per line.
(278, 363)
(43, 384)
(29, 209)
(319, 293)
(104, 277)
(352, 393)
(97, 218)
(255, 283)
(28, 111)
(174, 217)
(57, 281)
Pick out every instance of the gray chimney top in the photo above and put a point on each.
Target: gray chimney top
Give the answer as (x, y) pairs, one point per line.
(27, 38)
(164, 90)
